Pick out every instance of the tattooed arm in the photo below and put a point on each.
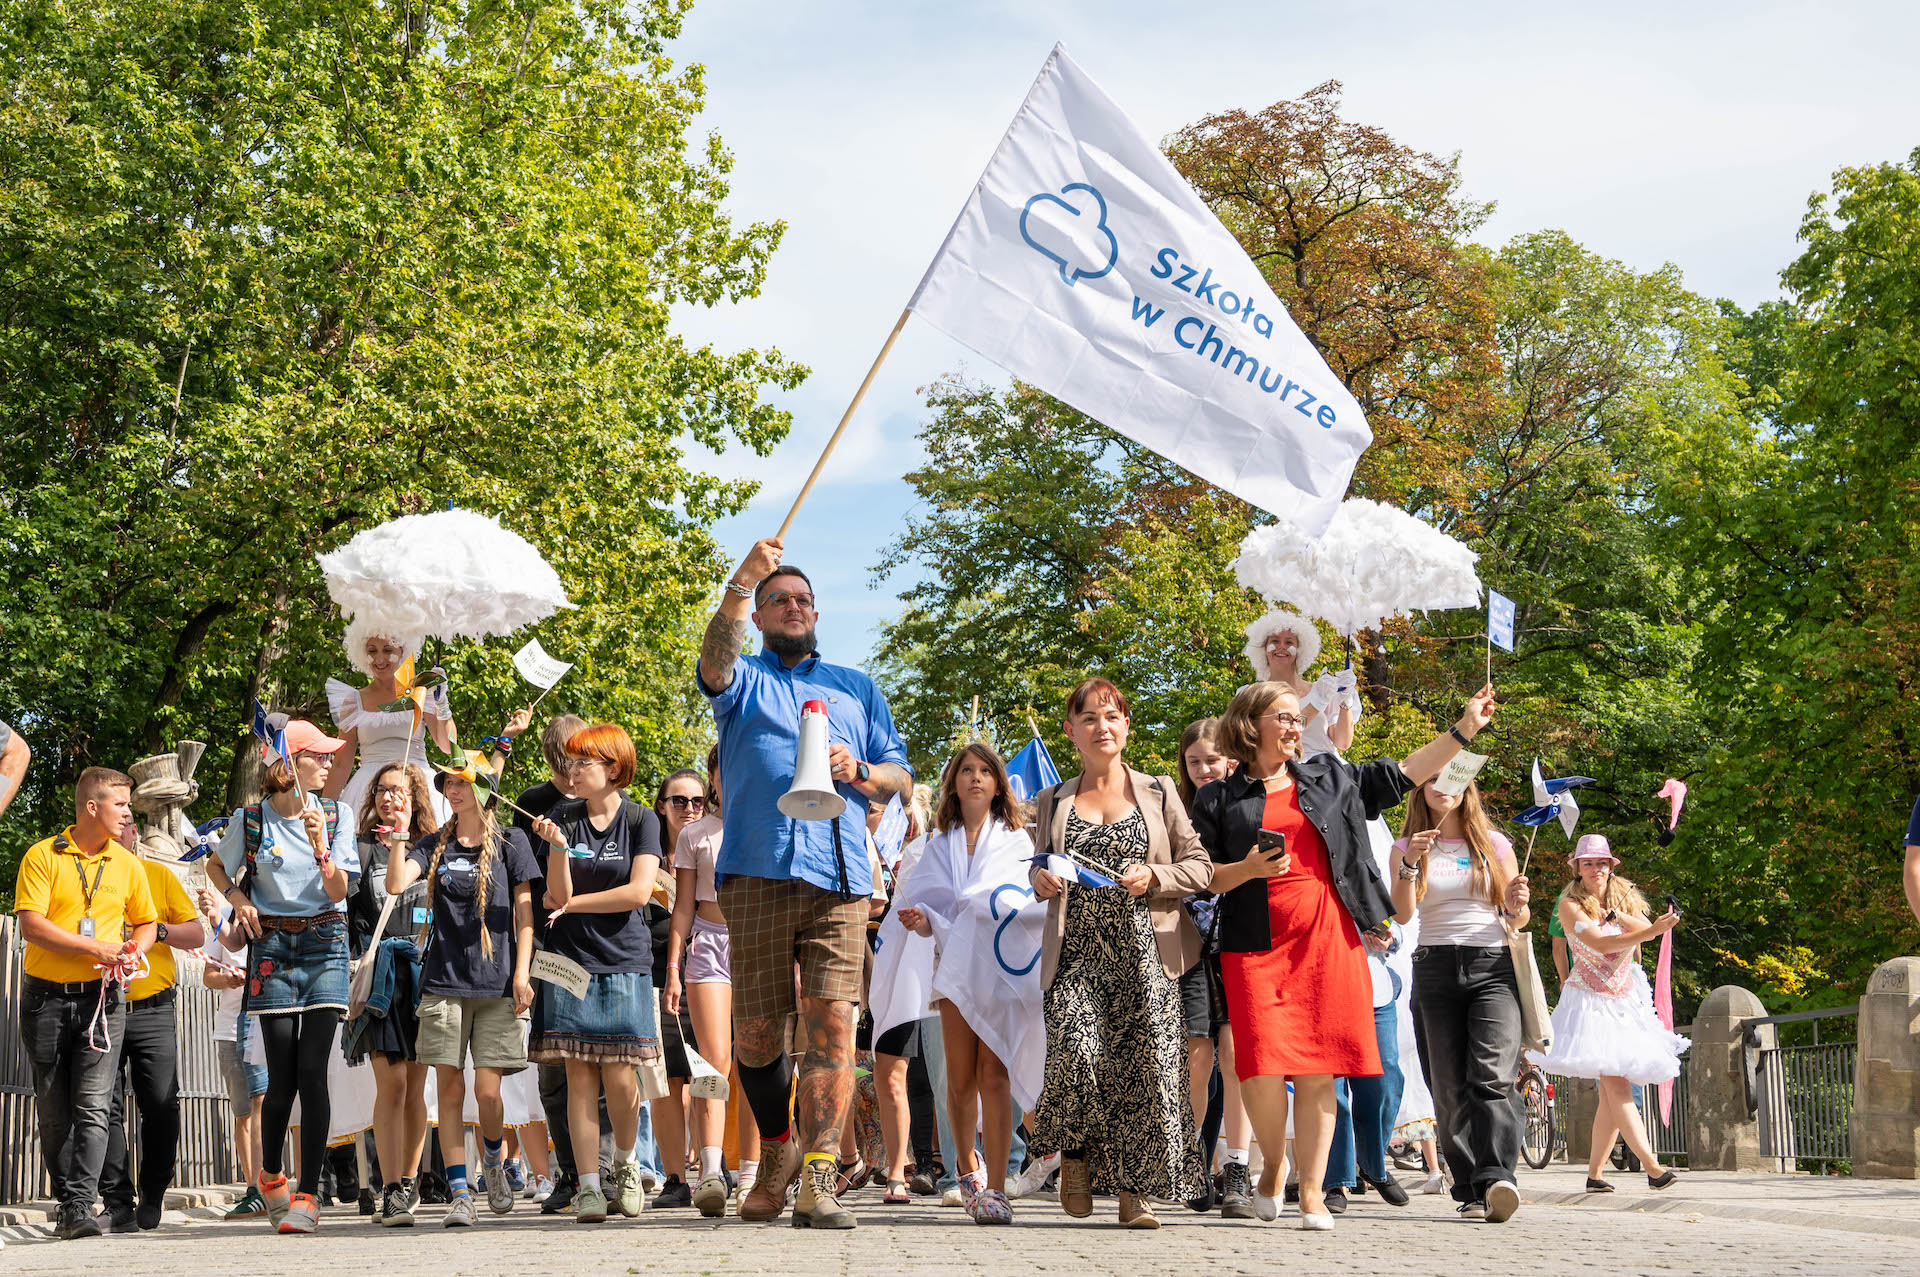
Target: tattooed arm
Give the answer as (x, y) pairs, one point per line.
(727, 631)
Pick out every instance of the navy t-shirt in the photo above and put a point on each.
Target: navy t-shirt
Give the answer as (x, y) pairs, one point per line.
(600, 860)
(455, 966)
(1913, 825)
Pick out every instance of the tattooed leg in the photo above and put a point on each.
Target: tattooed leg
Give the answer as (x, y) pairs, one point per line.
(826, 1073)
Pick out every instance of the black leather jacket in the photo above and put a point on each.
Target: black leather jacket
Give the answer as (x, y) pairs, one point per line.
(1338, 798)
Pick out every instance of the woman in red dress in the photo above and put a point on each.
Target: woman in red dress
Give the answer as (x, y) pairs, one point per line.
(1290, 919)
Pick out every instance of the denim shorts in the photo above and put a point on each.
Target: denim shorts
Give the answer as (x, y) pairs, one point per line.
(299, 971)
(613, 1024)
(243, 1081)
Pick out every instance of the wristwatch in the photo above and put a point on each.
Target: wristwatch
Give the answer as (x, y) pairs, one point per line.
(1455, 733)
(160, 934)
(861, 772)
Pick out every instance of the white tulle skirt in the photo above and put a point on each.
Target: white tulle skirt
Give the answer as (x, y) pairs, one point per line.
(1598, 1036)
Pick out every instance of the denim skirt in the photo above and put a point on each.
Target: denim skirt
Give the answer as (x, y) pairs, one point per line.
(613, 1024)
(299, 971)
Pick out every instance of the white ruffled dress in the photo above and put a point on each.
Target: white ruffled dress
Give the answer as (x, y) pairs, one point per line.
(1605, 1025)
(385, 737)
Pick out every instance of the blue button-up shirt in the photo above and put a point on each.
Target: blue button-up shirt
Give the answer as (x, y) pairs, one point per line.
(759, 720)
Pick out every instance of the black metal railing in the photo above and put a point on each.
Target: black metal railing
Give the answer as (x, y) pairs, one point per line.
(1801, 1087)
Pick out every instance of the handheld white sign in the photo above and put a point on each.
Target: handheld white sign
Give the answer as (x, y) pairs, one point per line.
(1459, 772)
(537, 667)
(564, 972)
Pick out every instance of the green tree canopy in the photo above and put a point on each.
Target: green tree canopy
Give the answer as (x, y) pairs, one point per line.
(272, 275)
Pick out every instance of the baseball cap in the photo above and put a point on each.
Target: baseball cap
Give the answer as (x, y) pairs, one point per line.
(304, 738)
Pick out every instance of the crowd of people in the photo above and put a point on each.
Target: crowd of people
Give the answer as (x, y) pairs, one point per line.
(1230, 988)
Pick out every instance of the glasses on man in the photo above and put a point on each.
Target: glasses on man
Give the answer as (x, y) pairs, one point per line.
(780, 598)
(1286, 720)
(684, 803)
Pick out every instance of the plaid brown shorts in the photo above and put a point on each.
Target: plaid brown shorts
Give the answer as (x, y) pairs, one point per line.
(776, 922)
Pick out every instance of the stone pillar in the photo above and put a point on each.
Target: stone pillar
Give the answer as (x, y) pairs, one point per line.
(1579, 1099)
(1886, 1079)
(1723, 1133)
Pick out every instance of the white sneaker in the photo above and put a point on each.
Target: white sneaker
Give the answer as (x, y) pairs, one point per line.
(541, 1188)
(952, 1197)
(1503, 1199)
(1034, 1178)
(1316, 1223)
(651, 1183)
(1436, 1183)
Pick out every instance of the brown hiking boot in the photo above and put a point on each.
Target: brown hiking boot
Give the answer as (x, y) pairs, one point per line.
(1076, 1187)
(779, 1163)
(818, 1205)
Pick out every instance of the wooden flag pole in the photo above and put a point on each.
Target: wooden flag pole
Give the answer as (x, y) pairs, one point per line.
(1529, 858)
(845, 417)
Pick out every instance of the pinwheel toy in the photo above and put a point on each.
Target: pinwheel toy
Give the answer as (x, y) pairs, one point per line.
(1551, 801)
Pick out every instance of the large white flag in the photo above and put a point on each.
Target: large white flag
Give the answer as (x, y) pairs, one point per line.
(1084, 264)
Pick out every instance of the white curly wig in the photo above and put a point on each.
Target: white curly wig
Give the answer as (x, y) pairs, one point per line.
(360, 629)
(1272, 623)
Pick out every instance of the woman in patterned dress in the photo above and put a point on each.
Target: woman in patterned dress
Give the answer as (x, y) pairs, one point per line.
(1114, 1101)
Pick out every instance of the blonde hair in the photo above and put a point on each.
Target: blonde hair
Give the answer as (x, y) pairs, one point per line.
(1488, 879)
(1621, 895)
(489, 836)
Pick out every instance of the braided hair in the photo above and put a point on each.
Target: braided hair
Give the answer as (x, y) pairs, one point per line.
(489, 837)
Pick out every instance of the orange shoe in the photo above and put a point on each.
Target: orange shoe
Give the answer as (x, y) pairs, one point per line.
(303, 1214)
(273, 1189)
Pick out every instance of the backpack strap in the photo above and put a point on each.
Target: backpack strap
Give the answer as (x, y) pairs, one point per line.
(250, 839)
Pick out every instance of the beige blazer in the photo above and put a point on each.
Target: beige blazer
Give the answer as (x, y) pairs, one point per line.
(1179, 863)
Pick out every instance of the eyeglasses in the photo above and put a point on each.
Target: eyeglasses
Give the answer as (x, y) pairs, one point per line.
(685, 803)
(575, 764)
(780, 598)
(391, 791)
(1285, 720)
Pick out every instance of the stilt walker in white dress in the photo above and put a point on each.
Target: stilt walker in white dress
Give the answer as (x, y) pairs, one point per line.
(379, 735)
(1605, 1026)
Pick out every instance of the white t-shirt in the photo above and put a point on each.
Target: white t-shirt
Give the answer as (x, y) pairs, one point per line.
(226, 1011)
(1453, 911)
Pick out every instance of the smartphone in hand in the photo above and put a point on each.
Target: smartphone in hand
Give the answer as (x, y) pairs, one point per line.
(1273, 842)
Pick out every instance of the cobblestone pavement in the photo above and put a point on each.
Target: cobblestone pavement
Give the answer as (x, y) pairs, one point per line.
(1612, 1238)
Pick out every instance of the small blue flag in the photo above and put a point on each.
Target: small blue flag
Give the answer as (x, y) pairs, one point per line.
(1500, 621)
(891, 833)
(1081, 874)
(1032, 770)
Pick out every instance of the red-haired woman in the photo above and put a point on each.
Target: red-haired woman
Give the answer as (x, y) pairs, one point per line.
(1115, 1100)
(603, 850)
(990, 1027)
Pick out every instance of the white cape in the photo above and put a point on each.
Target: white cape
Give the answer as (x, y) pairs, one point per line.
(987, 932)
(902, 987)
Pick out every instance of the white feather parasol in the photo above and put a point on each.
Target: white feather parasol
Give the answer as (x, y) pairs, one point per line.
(1372, 562)
(451, 574)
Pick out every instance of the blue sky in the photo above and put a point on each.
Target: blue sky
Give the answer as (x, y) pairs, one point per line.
(1651, 136)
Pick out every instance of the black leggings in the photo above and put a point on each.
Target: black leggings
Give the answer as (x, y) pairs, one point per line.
(298, 1045)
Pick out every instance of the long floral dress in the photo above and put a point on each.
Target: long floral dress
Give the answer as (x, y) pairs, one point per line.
(1116, 1078)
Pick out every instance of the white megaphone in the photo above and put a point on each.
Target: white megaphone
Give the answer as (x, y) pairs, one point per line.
(812, 795)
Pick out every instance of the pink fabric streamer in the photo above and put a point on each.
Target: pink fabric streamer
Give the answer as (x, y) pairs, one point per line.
(1675, 792)
(1663, 1007)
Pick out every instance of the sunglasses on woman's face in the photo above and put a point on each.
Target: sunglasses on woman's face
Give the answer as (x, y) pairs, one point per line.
(687, 804)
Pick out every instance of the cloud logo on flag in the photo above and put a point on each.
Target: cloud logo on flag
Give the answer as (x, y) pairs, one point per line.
(1072, 233)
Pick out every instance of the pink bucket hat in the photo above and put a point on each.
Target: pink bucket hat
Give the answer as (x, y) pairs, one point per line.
(1593, 847)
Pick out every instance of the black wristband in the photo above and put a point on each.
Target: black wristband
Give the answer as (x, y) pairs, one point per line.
(1455, 733)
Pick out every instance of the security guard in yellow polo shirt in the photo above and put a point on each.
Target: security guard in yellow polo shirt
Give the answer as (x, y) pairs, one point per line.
(149, 1061)
(85, 908)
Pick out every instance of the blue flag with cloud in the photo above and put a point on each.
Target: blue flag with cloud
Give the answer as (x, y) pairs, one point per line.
(1031, 770)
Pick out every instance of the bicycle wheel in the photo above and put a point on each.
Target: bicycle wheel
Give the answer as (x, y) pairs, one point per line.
(1537, 1146)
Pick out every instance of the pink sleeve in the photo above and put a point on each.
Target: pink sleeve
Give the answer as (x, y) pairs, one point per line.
(1502, 847)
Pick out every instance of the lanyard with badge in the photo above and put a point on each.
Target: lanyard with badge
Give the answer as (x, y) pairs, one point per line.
(87, 893)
